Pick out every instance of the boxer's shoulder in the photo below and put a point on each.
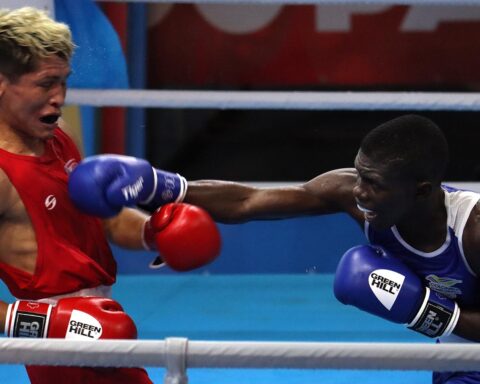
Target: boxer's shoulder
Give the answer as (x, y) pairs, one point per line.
(334, 191)
(471, 238)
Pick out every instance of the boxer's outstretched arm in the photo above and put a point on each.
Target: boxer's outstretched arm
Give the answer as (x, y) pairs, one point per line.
(236, 202)
(102, 185)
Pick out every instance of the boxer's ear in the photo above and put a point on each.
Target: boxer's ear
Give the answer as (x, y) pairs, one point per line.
(3, 83)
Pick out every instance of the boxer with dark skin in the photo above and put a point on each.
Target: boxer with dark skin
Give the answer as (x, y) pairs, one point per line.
(395, 193)
(429, 231)
(396, 182)
(380, 190)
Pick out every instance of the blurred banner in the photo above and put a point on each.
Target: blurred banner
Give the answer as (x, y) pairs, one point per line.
(46, 5)
(98, 62)
(272, 46)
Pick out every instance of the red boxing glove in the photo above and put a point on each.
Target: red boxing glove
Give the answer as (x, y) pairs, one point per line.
(185, 235)
(80, 318)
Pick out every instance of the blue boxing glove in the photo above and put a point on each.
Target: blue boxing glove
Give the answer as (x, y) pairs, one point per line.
(102, 185)
(373, 281)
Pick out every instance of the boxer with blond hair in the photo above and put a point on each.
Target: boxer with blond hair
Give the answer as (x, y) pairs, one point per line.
(55, 259)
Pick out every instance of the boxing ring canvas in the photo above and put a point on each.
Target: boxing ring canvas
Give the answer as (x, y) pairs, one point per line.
(260, 307)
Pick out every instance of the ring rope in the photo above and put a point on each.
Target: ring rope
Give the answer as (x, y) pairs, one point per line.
(331, 100)
(242, 354)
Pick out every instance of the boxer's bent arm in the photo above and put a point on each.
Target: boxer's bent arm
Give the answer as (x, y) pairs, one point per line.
(7, 193)
(468, 325)
(7, 200)
(126, 228)
(3, 315)
(236, 202)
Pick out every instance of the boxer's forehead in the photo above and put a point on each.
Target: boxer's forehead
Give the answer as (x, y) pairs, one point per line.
(380, 167)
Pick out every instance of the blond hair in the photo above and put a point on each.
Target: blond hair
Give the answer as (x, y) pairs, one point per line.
(28, 35)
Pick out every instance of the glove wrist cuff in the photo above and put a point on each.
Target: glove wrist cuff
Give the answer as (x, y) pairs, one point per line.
(148, 242)
(167, 188)
(27, 319)
(437, 315)
(148, 237)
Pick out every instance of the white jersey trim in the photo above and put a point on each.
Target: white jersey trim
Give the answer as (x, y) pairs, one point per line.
(437, 252)
(409, 247)
(459, 206)
(100, 291)
(365, 229)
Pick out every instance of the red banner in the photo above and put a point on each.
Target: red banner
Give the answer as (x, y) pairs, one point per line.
(275, 46)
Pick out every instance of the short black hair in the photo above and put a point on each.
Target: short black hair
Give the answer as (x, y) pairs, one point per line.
(413, 144)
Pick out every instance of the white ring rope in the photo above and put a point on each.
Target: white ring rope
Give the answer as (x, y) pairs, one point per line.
(242, 354)
(298, 100)
(303, 2)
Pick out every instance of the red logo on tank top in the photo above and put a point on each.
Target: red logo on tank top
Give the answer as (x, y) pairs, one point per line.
(50, 202)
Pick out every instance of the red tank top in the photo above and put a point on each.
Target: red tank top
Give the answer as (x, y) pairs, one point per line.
(73, 252)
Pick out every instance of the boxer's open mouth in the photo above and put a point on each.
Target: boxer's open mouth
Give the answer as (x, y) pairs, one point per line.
(49, 119)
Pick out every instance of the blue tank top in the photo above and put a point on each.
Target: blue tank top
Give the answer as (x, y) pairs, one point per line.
(444, 270)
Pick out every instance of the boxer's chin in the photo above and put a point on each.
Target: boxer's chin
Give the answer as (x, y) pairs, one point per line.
(370, 216)
(378, 224)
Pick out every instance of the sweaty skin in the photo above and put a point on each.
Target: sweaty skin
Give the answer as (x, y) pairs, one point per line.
(30, 110)
(369, 192)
